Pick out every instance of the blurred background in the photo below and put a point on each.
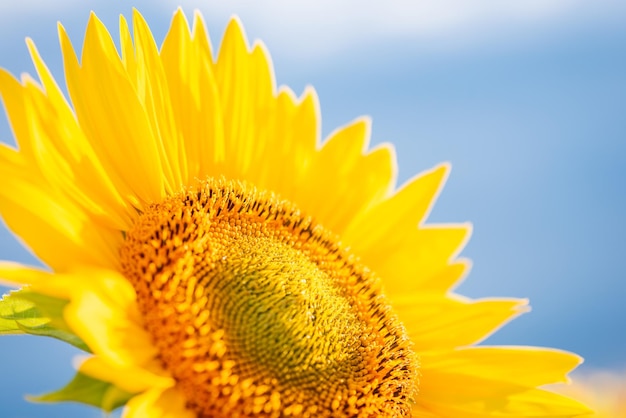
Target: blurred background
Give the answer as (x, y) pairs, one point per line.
(526, 99)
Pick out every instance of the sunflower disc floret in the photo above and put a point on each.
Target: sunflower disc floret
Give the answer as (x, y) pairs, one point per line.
(256, 309)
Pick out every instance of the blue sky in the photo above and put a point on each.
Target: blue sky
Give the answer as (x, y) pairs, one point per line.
(527, 101)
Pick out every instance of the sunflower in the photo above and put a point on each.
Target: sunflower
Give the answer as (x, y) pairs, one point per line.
(215, 258)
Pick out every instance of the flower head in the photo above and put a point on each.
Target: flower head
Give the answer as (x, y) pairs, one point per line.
(215, 258)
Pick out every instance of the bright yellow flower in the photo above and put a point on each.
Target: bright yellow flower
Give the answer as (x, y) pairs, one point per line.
(218, 259)
(603, 390)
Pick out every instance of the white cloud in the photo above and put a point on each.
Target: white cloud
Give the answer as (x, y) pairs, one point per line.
(321, 27)
(17, 8)
(332, 25)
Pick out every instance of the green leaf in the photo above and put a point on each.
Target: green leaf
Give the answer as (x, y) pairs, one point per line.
(51, 307)
(90, 391)
(14, 309)
(27, 312)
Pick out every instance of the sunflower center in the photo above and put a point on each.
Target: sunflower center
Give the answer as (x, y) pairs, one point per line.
(258, 311)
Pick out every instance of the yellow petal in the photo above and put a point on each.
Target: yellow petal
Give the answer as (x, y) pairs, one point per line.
(128, 51)
(102, 310)
(154, 94)
(131, 379)
(36, 215)
(345, 178)
(194, 97)
(200, 36)
(529, 403)
(527, 366)
(438, 323)
(476, 382)
(17, 274)
(417, 260)
(448, 277)
(54, 142)
(112, 115)
(297, 124)
(258, 157)
(105, 315)
(234, 78)
(376, 234)
(602, 390)
(158, 403)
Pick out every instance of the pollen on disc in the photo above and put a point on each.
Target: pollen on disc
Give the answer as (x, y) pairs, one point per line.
(256, 310)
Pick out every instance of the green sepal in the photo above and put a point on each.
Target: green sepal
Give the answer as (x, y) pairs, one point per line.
(90, 391)
(27, 312)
